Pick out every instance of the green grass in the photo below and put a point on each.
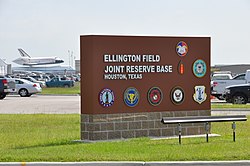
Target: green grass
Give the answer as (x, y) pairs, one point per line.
(49, 138)
(71, 90)
(241, 106)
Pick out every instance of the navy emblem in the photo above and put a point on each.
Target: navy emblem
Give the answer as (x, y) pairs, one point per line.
(155, 96)
(199, 68)
(177, 95)
(199, 94)
(131, 97)
(106, 97)
(182, 49)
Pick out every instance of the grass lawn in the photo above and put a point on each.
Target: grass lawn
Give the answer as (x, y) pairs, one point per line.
(49, 138)
(231, 106)
(71, 90)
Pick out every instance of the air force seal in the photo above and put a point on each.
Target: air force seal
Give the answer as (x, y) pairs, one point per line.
(106, 97)
(199, 94)
(131, 97)
(177, 95)
(155, 96)
(182, 49)
(199, 68)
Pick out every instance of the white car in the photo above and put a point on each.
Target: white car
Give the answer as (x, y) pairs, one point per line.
(26, 88)
(31, 79)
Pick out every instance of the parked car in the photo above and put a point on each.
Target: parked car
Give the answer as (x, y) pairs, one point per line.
(31, 79)
(7, 85)
(219, 86)
(37, 77)
(58, 82)
(26, 88)
(222, 76)
(238, 94)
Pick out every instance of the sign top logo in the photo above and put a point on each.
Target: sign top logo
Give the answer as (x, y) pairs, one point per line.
(182, 49)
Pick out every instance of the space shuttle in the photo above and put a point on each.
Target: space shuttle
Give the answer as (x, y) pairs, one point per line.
(27, 60)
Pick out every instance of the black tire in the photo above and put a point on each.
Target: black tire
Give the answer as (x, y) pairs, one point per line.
(2, 96)
(23, 92)
(239, 99)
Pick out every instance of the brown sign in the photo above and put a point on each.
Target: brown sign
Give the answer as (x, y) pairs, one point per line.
(127, 74)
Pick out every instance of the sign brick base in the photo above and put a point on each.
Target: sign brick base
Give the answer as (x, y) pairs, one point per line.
(132, 125)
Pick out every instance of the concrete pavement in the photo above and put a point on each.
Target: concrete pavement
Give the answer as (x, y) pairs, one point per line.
(40, 104)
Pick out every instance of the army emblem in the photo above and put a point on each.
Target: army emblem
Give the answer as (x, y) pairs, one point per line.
(199, 68)
(106, 97)
(199, 94)
(131, 97)
(182, 49)
(155, 96)
(177, 95)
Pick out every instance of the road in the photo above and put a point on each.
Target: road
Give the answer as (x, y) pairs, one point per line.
(48, 104)
(40, 104)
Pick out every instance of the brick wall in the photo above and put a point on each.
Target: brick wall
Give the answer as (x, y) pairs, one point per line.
(132, 125)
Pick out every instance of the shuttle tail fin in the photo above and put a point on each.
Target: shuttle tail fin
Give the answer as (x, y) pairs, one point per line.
(23, 53)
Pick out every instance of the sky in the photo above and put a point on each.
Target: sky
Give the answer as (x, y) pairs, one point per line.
(46, 28)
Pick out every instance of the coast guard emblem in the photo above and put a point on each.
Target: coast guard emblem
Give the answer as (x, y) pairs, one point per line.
(155, 96)
(106, 97)
(131, 97)
(177, 95)
(199, 94)
(199, 68)
(182, 49)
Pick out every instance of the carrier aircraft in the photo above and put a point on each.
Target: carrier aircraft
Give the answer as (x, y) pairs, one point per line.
(27, 60)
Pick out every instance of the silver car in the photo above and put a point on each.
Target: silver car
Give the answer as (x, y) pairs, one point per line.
(31, 79)
(26, 88)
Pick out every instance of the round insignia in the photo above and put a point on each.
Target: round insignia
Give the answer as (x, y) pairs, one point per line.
(182, 49)
(177, 95)
(199, 68)
(131, 97)
(106, 97)
(155, 96)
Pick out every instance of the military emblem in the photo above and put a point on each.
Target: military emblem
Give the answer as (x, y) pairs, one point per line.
(181, 67)
(177, 95)
(131, 97)
(182, 49)
(106, 97)
(199, 94)
(155, 96)
(199, 68)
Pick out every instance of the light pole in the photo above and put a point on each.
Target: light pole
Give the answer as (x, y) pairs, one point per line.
(69, 57)
(72, 59)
